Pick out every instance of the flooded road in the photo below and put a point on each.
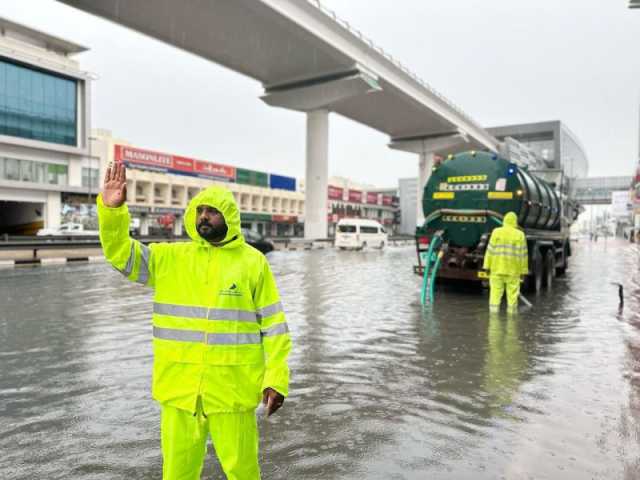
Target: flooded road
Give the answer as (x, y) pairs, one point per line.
(380, 388)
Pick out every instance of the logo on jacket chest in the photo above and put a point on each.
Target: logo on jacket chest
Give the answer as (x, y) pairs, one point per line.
(231, 291)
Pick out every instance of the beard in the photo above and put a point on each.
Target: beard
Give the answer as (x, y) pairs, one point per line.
(212, 233)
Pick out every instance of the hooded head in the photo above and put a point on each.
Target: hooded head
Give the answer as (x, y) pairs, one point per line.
(510, 220)
(222, 200)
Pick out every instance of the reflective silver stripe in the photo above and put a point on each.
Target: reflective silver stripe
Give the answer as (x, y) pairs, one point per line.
(179, 310)
(211, 338)
(230, 314)
(507, 247)
(128, 268)
(201, 312)
(270, 310)
(507, 254)
(278, 329)
(179, 335)
(143, 272)
(233, 338)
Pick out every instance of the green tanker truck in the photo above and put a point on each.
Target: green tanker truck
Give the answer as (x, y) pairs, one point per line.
(467, 196)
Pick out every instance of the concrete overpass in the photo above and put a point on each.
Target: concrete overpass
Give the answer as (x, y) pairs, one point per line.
(597, 190)
(309, 60)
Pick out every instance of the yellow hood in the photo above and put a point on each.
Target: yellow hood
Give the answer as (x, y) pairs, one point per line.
(510, 220)
(221, 199)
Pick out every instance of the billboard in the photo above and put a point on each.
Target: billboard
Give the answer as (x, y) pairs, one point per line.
(335, 193)
(620, 204)
(355, 196)
(167, 163)
(281, 182)
(372, 198)
(252, 177)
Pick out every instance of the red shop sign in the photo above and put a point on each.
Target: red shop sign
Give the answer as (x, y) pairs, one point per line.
(372, 198)
(138, 156)
(214, 169)
(284, 218)
(355, 196)
(335, 193)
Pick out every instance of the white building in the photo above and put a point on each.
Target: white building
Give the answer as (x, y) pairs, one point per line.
(349, 199)
(44, 125)
(160, 186)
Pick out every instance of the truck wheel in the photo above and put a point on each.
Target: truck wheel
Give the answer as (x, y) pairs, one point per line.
(549, 268)
(533, 282)
(562, 269)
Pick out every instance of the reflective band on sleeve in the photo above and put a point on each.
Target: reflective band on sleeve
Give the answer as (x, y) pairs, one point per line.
(179, 310)
(279, 329)
(143, 273)
(230, 314)
(233, 338)
(270, 310)
(128, 268)
(179, 335)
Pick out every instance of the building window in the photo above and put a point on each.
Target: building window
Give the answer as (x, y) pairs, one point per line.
(11, 169)
(90, 177)
(37, 105)
(57, 174)
(33, 172)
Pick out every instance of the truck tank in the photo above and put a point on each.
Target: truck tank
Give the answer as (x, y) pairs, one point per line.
(468, 194)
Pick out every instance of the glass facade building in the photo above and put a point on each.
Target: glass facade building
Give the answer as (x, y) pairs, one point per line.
(37, 105)
(551, 141)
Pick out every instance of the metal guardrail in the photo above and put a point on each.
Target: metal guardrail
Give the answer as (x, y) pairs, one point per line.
(39, 245)
(47, 243)
(15, 242)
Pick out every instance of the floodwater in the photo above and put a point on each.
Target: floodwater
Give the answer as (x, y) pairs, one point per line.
(381, 389)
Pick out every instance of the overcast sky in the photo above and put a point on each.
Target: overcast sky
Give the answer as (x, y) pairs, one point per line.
(502, 61)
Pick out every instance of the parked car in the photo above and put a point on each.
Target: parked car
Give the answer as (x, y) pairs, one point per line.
(66, 229)
(257, 241)
(358, 233)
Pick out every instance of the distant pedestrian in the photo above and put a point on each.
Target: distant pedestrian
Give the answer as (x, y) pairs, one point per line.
(220, 338)
(506, 259)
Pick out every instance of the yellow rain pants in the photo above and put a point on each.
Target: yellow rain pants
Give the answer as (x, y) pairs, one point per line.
(184, 443)
(498, 284)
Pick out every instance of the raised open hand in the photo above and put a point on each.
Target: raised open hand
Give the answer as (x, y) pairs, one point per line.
(114, 190)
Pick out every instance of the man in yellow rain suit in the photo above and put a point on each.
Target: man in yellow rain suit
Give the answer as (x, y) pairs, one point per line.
(506, 259)
(220, 339)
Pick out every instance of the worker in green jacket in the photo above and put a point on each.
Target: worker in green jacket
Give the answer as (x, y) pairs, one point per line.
(220, 339)
(506, 259)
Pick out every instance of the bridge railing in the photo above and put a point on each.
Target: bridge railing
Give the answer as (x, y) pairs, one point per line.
(357, 33)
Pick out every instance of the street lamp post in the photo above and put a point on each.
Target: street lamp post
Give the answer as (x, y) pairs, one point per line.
(590, 213)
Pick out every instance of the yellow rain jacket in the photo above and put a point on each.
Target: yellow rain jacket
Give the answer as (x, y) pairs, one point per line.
(219, 330)
(507, 250)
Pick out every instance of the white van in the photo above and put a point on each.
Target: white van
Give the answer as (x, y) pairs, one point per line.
(358, 233)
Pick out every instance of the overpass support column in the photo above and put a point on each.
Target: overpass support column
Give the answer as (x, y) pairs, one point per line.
(317, 175)
(145, 221)
(52, 210)
(425, 166)
(177, 226)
